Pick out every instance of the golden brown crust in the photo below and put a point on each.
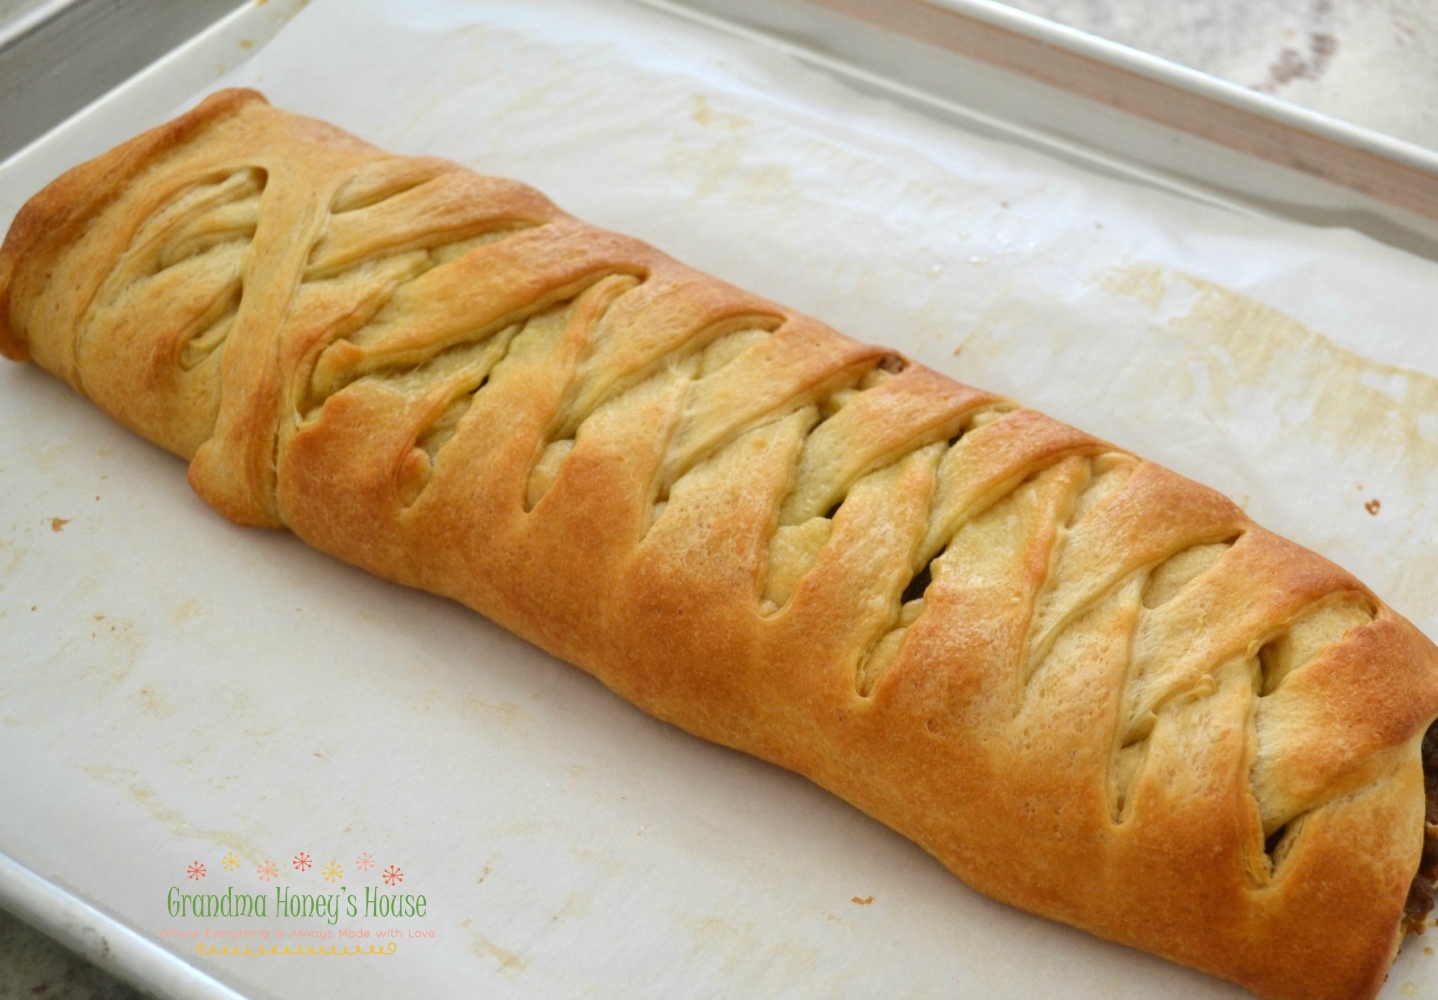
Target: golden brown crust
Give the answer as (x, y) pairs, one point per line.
(49, 223)
(1092, 688)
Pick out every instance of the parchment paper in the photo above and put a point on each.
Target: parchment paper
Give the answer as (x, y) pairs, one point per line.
(177, 690)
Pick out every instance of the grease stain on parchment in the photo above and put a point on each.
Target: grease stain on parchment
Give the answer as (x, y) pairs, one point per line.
(506, 712)
(483, 947)
(576, 905)
(722, 157)
(704, 114)
(1349, 399)
(488, 869)
(102, 654)
(188, 609)
(509, 714)
(605, 862)
(129, 782)
(15, 554)
(47, 454)
(728, 164)
(152, 703)
(744, 952)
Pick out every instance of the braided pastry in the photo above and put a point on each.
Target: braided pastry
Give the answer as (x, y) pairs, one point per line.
(1092, 688)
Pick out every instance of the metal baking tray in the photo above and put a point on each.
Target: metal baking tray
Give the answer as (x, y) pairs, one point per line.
(981, 66)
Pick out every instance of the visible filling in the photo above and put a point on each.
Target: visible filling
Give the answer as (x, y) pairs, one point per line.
(1420, 893)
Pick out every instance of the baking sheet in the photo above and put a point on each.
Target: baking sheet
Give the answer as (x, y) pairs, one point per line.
(177, 690)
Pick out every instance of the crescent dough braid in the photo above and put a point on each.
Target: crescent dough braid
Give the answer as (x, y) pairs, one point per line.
(1092, 688)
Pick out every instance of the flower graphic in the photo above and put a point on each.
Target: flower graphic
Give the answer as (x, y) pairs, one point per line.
(392, 875)
(301, 862)
(230, 861)
(267, 871)
(364, 862)
(333, 872)
(196, 871)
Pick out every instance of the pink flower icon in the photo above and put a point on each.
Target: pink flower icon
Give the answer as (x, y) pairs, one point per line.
(196, 871)
(392, 875)
(302, 861)
(364, 862)
(267, 871)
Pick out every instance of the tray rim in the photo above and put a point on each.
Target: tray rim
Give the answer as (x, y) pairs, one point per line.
(1183, 78)
(103, 939)
(1293, 162)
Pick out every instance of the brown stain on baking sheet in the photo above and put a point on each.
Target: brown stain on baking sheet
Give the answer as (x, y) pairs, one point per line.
(99, 653)
(488, 869)
(735, 950)
(188, 609)
(46, 454)
(604, 861)
(1361, 413)
(57, 524)
(723, 157)
(1355, 400)
(140, 793)
(507, 712)
(704, 114)
(485, 948)
(479, 711)
(16, 554)
(576, 906)
(152, 704)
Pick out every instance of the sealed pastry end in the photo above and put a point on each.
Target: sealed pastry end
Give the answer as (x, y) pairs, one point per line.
(51, 223)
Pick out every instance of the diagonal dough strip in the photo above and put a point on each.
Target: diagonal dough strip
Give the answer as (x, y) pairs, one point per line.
(1092, 688)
